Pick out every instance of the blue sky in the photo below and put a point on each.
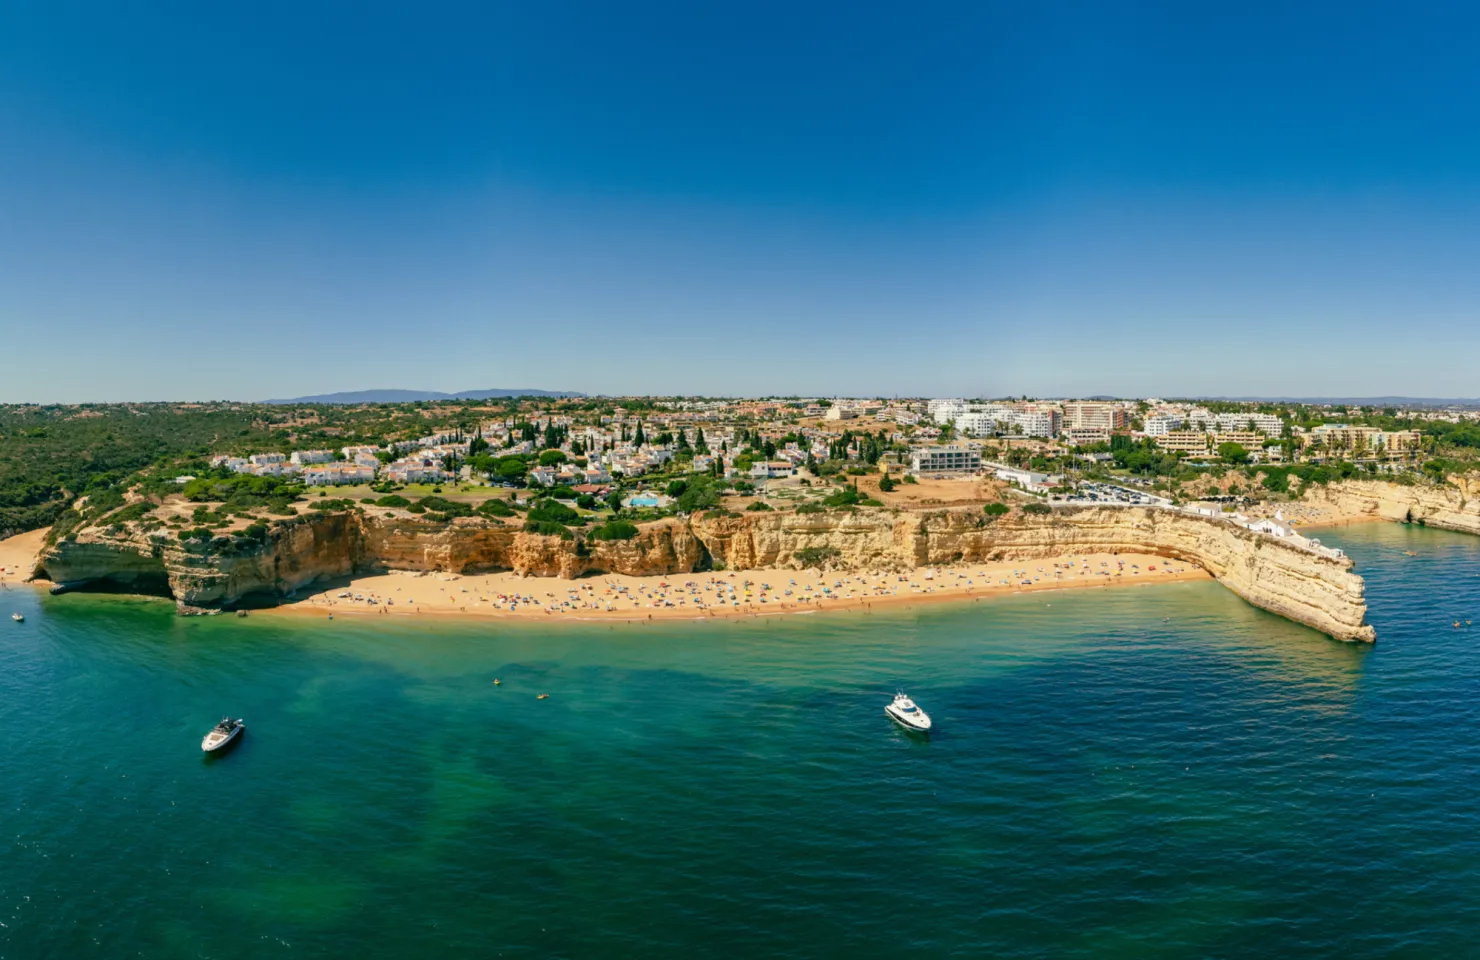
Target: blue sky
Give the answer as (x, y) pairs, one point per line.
(247, 201)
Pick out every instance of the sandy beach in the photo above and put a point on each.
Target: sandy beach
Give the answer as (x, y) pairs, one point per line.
(715, 594)
(18, 554)
(1306, 515)
(403, 593)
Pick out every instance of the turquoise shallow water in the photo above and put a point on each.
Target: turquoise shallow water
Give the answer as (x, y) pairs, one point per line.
(1103, 783)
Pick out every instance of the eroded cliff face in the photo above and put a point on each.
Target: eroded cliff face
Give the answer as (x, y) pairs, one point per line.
(1311, 588)
(1453, 506)
(226, 571)
(1318, 590)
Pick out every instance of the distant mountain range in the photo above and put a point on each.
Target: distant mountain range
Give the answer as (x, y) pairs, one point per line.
(411, 396)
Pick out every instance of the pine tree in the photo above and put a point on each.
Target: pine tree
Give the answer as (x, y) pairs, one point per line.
(699, 443)
(639, 439)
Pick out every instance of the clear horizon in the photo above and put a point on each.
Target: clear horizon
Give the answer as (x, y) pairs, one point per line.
(965, 200)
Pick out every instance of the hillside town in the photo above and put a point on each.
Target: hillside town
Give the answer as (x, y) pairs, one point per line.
(1246, 462)
(761, 440)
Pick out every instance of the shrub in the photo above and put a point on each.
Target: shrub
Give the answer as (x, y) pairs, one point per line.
(552, 511)
(1038, 509)
(546, 528)
(495, 508)
(256, 532)
(199, 533)
(910, 478)
(393, 500)
(995, 509)
(586, 502)
(759, 506)
(450, 508)
(811, 508)
(562, 492)
(846, 497)
(134, 511)
(698, 495)
(886, 483)
(615, 530)
(870, 502)
(816, 556)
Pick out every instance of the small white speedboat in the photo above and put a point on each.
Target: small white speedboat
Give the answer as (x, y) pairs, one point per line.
(904, 712)
(18, 617)
(224, 733)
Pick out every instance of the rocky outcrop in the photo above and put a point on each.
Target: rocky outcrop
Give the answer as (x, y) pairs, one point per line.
(1454, 505)
(231, 570)
(1310, 587)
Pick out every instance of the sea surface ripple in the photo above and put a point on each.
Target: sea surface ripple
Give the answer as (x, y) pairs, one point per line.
(1158, 772)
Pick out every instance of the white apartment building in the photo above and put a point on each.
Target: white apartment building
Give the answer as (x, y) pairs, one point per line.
(945, 460)
(304, 457)
(416, 470)
(1027, 479)
(329, 474)
(766, 469)
(1097, 414)
(943, 410)
(1162, 424)
(977, 424)
(1038, 423)
(1085, 436)
(1265, 423)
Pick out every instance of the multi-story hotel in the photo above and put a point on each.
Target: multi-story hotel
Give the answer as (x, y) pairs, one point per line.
(945, 460)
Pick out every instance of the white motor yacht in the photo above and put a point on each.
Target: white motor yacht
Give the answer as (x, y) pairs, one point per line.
(18, 617)
(904, 712)
(224, 733)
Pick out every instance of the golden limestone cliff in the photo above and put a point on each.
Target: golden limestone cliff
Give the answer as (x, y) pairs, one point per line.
(223, 571)
(1309, 586)
(1312, 587)
(1453, 506)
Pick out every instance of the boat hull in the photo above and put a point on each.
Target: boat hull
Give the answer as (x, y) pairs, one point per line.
(909, 725)
(212, 744)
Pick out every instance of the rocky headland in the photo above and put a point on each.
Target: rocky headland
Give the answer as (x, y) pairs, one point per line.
(1452, 505)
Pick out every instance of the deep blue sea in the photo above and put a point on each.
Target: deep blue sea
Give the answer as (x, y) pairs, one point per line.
(1153, 772)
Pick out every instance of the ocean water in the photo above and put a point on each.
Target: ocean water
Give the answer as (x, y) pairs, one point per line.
(1158, 772)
